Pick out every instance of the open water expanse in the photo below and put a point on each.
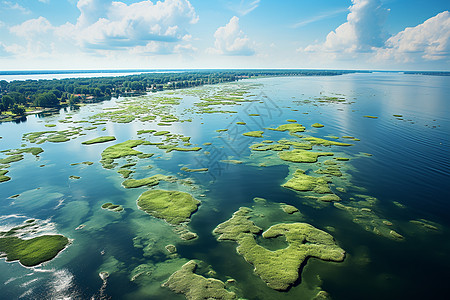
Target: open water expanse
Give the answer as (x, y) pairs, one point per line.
(390, 214)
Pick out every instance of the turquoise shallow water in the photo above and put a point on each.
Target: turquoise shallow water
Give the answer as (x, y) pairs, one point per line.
(410, 166)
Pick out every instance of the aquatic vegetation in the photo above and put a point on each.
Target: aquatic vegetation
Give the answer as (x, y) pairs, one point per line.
(323, 142)
(292, 128)
(139, 132)
(162, 132)
(317, 125)
(171, 249)
(302, 182)
(32, 252)
(52, 135)
(194, 286)
(186, 169)
(4, 178)
(398, 116)
(330, 198)
(120, 150)
(267, 147)
(254, 133)
(173, 206)
(279, 269)
(33, 150)
(241, 123)
(232, 161)
(302, 156)
(331, 170)
(125, 172)
(112, 207)
(11, 158)
(342, 158)
(102, 139)
(289, 209)
(74, 177)
(371, 117)
(425, 224)
(149, 181)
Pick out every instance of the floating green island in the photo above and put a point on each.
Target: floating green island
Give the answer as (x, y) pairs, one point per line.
(292, 128)
(4, 178)
(149, 181)
(254, 133)
(317, 125)
(102, 139)
(112, 207)
(302, 156)
(194, 286)
(32, 252)
(186, 169)
(173, 206)
(302, 182)
(323, 142)
(280, 268)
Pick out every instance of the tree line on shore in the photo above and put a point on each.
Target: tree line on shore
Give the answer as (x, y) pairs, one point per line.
(18, 96)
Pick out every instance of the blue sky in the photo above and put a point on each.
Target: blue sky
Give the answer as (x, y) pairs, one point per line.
(178, 34)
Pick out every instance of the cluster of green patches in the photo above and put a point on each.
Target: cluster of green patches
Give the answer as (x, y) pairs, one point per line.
(269, 147)
(3, 177)
(331, 170)
(194, 286)
(323, 142)
(173, 206)
(147, 118)
(112, 207)
(303, 183)
(170, 148)
(52, 136)
(292, 128)
(326, 99)
(149, 181)
(425, 224)
(280, 268)
(88, 163)
(289, 209)
(102, 139)
(362, 214)
(186, 169)
(33, 150)
(370, 117)
(32, 252)
(254, 133)
(120, 150)
(125, 172)
(296, 145)
(302, 156)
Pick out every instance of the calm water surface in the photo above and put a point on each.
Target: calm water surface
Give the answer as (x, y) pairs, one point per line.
(408, 174)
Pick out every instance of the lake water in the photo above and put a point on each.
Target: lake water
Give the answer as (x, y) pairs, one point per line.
(405, 178)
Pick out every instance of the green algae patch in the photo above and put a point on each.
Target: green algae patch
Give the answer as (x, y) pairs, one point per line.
(292, 128)
(11, 158)
(195, 287)
(303, 183)
(149, 181)
(125, 172)
(330, 198)
(370, 117)
(267, 147)
(139, 132)
(291, 120)
(102, 139)
(241, 123)
(302, 156)
(323, 142)
(257, 133)
(296, 145)
(160, 133)
(120, 150)
(173, 206)
(232, 161)
(74, 177)
(317, 125)
(32, 252)
(280, 268)
(289, 209)
(186, 169)
(398, 116)
(342, 158)
(112, 207)
(33, 150)
(4, 178)
(221, 130)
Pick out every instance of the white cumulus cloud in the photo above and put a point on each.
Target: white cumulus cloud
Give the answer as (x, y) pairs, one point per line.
(231, 40)
(362, 31)
(429, 40)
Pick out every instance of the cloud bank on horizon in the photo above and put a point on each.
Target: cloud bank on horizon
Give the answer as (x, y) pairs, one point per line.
(92, 34)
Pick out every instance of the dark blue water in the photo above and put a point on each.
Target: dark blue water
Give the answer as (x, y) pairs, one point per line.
(408, 174)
